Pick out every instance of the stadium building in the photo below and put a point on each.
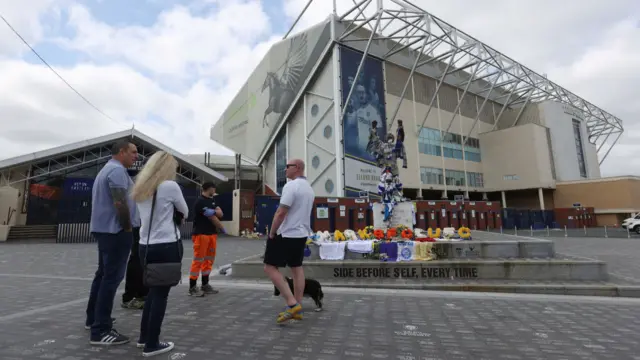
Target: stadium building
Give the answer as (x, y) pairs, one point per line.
(47, 194)
(478, 125)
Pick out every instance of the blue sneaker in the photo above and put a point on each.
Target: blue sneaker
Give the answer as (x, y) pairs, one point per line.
(162, 348)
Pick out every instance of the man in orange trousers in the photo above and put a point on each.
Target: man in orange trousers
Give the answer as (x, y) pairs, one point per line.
(206, 224)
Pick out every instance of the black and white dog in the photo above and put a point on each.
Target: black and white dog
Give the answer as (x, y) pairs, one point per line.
(312, 289)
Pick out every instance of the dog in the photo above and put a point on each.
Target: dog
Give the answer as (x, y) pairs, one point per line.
(312, 289)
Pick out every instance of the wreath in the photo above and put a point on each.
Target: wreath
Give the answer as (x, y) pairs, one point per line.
(379, 234)
(464, 232)
(391, 233)
(407, 234)
(433, 235)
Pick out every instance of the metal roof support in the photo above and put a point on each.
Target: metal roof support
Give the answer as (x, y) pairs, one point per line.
(297, 19)
(406, 85)
(457, 109)
(484, 102)
(406, 24)
(526, 102)
(611, 147)
(435, 94)
(603, 142)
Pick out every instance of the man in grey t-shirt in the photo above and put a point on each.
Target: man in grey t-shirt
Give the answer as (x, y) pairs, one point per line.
(111, 225)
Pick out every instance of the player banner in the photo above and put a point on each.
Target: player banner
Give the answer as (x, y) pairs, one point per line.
(367, 104)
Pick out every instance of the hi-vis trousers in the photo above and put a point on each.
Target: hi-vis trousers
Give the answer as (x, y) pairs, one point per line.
(204, 253)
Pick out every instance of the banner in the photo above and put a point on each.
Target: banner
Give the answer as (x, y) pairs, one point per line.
(261, 104)
(367, 104)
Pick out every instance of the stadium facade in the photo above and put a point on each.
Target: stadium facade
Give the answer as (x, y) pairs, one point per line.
(477, 123)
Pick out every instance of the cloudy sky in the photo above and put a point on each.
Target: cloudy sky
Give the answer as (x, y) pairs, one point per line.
(173, 65)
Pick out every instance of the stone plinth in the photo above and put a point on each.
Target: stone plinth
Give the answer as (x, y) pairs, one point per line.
(402, 215)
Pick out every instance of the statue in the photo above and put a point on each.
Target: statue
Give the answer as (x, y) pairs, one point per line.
(386, 155)
(400, 150)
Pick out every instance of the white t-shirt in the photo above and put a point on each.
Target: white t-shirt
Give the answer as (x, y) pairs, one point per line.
(298, 196)
(365, 115)
(163, 229)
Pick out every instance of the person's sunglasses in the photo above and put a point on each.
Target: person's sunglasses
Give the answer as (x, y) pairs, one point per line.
(290, 165)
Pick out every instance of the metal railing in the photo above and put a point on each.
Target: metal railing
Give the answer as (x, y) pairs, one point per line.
(80, 233)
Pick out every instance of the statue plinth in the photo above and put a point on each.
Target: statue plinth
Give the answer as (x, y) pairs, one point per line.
(402, 215)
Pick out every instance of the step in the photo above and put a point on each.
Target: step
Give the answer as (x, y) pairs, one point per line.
(30, 232)
(573, 288)
(555, 269)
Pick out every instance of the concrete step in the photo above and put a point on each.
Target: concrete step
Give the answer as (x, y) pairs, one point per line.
(494, 249)
(555, 269)
(574, 288)
(32, 232)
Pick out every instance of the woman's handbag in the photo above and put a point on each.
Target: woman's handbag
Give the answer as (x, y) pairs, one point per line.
(165, 273)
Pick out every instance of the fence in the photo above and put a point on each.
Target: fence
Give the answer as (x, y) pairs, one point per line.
(79, 233)
(585, 231)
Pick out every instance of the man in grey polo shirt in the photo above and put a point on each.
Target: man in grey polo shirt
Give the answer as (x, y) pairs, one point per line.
(111, 224)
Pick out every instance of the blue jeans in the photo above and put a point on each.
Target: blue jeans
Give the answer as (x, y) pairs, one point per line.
(155, 305)
(113, 252)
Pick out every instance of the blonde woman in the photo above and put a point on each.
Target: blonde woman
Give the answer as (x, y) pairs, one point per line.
(161, 206)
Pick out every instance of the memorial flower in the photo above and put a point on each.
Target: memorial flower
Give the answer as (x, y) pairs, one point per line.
(407, 234)
(391, 233)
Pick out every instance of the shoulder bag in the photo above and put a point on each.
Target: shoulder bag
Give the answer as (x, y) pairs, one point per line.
(163, 273)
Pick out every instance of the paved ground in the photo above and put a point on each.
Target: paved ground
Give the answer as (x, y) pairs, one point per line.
(44, 289)
(28, 257)
(597, 232)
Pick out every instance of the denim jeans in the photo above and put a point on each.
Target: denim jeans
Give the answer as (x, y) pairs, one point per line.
(156, 302)
(113, 251)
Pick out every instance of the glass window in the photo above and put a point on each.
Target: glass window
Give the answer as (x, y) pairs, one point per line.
(579, 149)
(475, 179)
(455, 178)
(431, 176)
(281, 161)
(429, 142)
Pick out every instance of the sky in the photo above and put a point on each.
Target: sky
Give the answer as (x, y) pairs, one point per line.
(172, 66)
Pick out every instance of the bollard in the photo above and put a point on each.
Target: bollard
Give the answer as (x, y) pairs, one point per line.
(500, 229)
(628, 233)
(548, 231)
(565, 231)
(531, 230)
(516, 229)
(605, 232)
(585, 229)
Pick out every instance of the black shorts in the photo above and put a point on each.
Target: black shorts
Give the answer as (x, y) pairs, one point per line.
(283, 252)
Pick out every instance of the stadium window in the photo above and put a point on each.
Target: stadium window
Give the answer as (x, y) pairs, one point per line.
(579, 148)
(431, 176)
(429, 142)
(281, 161)
(455, 178)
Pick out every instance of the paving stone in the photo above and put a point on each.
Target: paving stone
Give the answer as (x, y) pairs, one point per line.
(41, 317)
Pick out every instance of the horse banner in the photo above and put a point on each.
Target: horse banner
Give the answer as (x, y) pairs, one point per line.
(259, 108)
(367, 104)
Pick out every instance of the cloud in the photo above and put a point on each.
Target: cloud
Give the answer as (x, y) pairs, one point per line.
(175, 75)
(173, 79)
